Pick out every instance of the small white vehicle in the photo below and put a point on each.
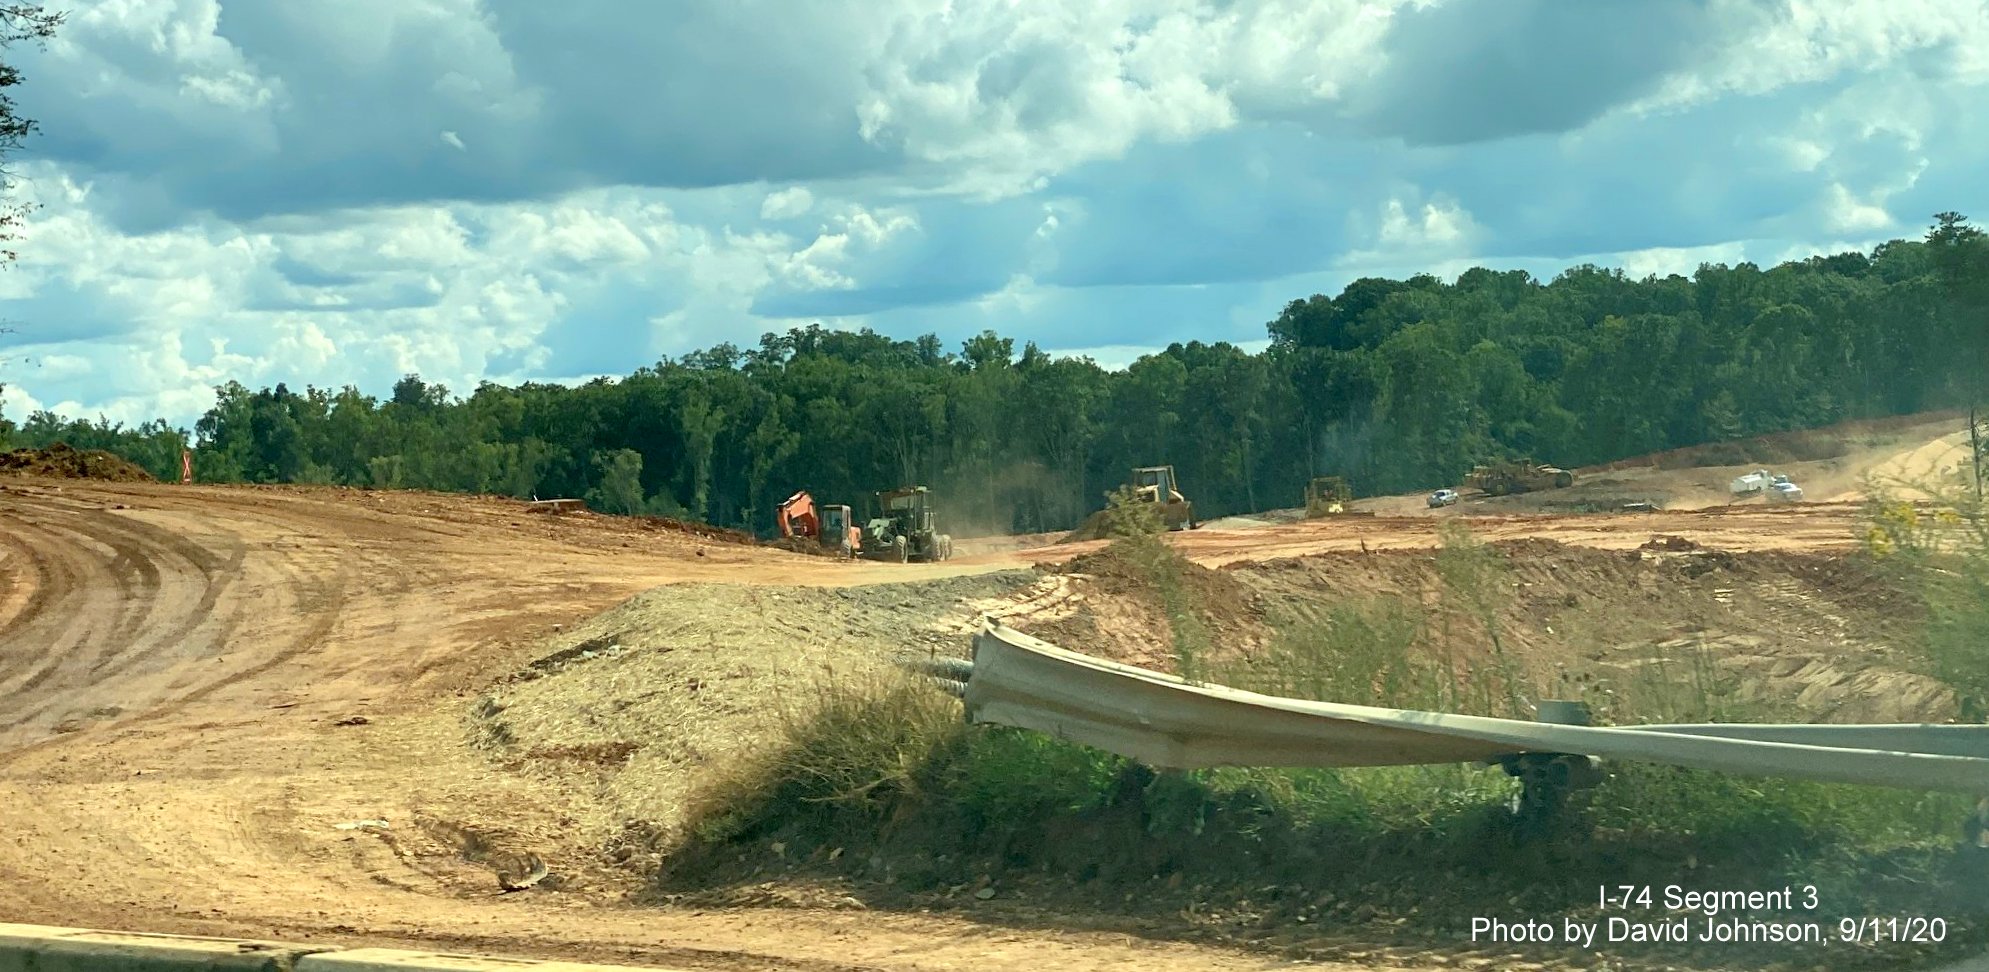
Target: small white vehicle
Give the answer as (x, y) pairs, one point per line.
(1443, 497)
(1752, 483)
(1783, 491)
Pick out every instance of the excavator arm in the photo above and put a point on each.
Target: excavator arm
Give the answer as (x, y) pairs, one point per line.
(796, 516)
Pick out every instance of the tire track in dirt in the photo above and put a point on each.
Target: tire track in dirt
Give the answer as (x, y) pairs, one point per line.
(66, 615)
(38, 581)
(154, 573)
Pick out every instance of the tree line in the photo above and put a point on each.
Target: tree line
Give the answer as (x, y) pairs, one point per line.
(1397, 385)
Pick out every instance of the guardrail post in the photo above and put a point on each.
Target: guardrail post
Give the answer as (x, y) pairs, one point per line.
(1547, 779)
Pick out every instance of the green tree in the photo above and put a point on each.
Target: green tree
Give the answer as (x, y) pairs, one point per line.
(1394, 384)
(19, 23)
(621, 483)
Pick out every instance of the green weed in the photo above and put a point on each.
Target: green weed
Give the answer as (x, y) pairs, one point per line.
(882, 787)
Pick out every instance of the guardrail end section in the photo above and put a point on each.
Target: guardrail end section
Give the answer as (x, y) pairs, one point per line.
(43, 948)
(397, 960)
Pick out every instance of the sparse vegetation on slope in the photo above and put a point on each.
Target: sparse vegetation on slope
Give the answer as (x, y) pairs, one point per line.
(877, 790)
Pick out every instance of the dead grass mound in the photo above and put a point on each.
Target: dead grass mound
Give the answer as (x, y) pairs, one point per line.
(664, 694)
(60, 461)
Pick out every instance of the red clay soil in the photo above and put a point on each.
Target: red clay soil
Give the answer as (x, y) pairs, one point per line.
(801, 545)
(703, 531)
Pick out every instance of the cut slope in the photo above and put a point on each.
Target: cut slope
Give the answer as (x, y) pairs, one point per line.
(1831, 464)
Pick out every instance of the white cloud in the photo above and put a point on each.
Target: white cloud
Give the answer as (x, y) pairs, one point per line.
(787, 203)
(1849, 214)
(1415, 230)
(455, 293)
(1772, 46)
(467, 188)
(1111, 357)
(1663, 261)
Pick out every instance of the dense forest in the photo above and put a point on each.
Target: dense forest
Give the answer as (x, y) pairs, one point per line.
(1396, 384)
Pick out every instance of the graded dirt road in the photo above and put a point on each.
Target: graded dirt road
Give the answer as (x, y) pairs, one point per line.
(1807, 526)
(206, 693)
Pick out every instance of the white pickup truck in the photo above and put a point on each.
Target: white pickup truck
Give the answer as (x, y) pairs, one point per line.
(1751, 483)
(1778, 488)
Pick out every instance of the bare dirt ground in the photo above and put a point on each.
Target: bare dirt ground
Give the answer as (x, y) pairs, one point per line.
(211, 695)
(326, 715)
(1832, 465)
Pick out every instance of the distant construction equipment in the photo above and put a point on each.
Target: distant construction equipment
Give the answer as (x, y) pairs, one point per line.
(1504, 476)
(903, 528)
(1154, 485)
(1157, 485)
(831, 526)
(1778, 488)
(1327, 496)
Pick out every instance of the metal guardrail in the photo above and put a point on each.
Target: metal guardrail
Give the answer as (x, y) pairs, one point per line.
(1161, 720)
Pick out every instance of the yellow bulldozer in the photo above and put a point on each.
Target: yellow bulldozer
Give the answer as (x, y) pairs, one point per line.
(1500, 477)
(1149, 484)
(1327, 496)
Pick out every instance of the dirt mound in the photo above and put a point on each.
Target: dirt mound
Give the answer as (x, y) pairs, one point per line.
(62, 462)
(703, 531)
(1668, 542)
(577, 509)
(1140, 614)
(1798, 445)
(801, 545)
(678, 681)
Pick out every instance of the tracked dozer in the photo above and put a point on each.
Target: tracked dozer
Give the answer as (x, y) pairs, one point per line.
(1327, 496)
(1502, 477)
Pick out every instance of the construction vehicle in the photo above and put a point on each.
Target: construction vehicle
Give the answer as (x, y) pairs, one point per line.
(1751, 483)
(1156, 484)
(1327, 496)
(830, 526)
(1148, 484)
(1504, 476)
(903, 528)
(1778, 488)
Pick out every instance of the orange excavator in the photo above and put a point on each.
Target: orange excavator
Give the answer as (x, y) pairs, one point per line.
(830, 526)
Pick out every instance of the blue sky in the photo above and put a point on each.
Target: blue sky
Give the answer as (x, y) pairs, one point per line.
(505, 190)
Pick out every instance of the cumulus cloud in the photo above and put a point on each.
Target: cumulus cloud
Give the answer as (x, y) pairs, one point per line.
(251, 108)
(787, 203)
(1413, 230)
(509, 190)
